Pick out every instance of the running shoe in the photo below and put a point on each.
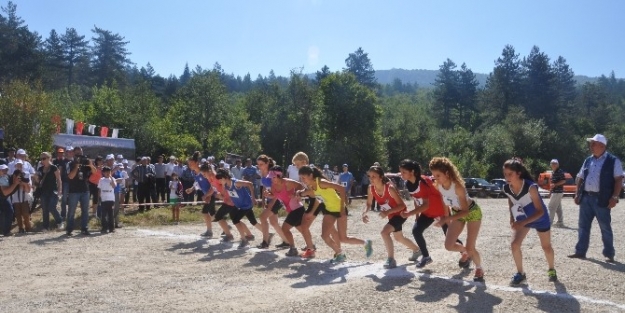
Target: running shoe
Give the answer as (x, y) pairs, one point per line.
(269, 239)
(263, 245)
(85, 232)
(292, 252)
(518, 279)
(304, 248)
(243, 243)
(308, 254)
(553, 276)
(207, 234)
(415, 256)
(465, 260)
(338, 258)
(390, 263)
(424, 261)
(227, 238)
(250, 237)
(368, 247)
(283, 245)
(479, 275)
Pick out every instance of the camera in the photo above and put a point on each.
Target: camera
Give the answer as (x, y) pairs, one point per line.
(81, 160)
(20, 175)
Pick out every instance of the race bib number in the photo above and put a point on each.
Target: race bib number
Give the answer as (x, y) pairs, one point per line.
(385, 207)
(344, 184)
(233, 194)
(518, 213)
(418, 201)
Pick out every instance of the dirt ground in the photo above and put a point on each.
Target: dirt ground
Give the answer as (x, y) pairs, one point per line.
(172, 268)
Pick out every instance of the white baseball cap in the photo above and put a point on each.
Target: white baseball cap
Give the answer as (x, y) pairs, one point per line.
(3, 167)
(119, 156)
(598, 138)
(21, 151)
(554, 161)
(110, 157)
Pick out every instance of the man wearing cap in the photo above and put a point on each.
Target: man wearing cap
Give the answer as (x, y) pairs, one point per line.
(61, 163)
(555, 201)
(26, 167)
(347, 180)
(599, 184)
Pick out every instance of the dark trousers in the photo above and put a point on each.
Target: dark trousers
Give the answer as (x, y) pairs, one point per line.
(143, 195)
(188, 197)
(422, 223)
(135, 191)
(161, 189)
(6, 216)
(107, 216)
(167, 180)
(153, 194)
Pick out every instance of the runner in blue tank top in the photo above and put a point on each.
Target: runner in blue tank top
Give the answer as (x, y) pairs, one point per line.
(527, 211)
(201, 183)
(240, 192)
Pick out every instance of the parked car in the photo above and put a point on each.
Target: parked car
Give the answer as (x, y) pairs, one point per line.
(481, 188)
(569, 188)
(500, 182)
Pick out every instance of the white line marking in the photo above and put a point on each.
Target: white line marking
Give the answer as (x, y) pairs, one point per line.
(358, 270)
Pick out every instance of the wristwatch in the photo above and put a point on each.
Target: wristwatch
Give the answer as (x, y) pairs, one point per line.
(615, 198)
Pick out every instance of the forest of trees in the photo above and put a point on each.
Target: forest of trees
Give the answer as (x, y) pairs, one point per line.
(530, 107)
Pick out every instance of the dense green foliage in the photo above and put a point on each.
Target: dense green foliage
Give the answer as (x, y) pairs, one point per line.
(530, 107)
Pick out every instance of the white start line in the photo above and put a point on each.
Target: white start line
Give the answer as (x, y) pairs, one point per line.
(367, 269)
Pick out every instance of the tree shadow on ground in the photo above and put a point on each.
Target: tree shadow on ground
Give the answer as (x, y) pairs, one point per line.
(561, 301)
(436, 289)
(393, 278)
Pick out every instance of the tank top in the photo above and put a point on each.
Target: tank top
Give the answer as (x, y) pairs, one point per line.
(240, 197)
(220, 188)
(424, 189)
(386, 201)
(329, 197)
(450, 197)
(288, 198)
(523, 206)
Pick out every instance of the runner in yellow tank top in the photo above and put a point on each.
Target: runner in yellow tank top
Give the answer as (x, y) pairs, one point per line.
(331, 198)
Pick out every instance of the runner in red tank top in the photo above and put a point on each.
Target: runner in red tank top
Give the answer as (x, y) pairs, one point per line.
(391, 206)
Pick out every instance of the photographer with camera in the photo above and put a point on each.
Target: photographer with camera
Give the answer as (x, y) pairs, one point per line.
(49, 190)
(18, 198)
(79, 170)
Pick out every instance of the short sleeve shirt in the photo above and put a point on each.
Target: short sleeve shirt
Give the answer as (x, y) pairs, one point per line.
(107, 191)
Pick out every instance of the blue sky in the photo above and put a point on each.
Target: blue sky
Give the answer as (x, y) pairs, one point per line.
(258, 36)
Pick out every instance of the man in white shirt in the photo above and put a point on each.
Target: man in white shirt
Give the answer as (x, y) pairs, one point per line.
(237, 170)
(27, 168)
(292, 172)
(169, 169)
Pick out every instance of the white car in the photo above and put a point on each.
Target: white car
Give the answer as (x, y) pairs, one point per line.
(544, 193)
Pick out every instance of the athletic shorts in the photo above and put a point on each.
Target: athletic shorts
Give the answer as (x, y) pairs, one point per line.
(475, 214)
(396, 221)
(320, 208)
(174, 200)
(276, 207)
(294, 218)
(543, 230)
(237, 215)
(209, 208)
(335, 214)
(223, 211)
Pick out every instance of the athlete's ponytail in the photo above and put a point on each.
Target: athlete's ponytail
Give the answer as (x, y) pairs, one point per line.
(516, 165)
(309, 170)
